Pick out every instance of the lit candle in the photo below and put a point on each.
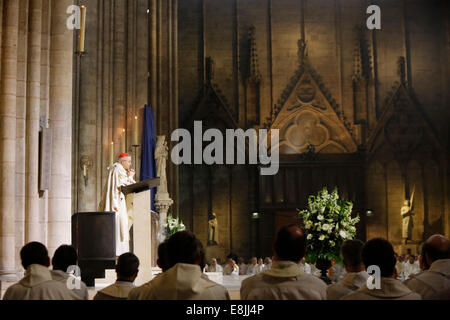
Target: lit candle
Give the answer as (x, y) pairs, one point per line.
(82, 33)
(112, 153)
(135, 135)
(124, 139)
(84, 170)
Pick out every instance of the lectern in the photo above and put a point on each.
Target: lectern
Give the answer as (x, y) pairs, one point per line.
(93, 235)
(145, 224)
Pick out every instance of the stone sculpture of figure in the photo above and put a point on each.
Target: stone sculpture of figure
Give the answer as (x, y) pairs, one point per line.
(213, 230)
(407, 222)
(161, 154)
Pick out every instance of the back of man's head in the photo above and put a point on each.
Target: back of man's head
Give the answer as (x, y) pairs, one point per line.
(34, 253)
(64, 257)
(184, 247)
(162, 256)
(351, 253)
(436, 247)
(290, 243)
(127, 266)
(379, 252)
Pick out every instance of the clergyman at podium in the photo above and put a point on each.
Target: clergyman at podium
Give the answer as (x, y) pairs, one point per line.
(113, 200)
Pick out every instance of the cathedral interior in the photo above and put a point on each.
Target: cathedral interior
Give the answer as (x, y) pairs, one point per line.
(363, 110)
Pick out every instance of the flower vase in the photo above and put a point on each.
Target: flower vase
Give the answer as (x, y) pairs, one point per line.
(323, 265)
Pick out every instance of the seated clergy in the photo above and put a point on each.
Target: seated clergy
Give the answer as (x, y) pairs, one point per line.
(127, 269)
(379, 252)
(260, 266)
(64, 257)
(214, 267)
(434, 283)
(251, 268)
(306, 267)
(356, 275)
(267, 263)
(285, 280)
(411, 267)
(231, 268)
(38, 283)
(242, 267)
(184, 279)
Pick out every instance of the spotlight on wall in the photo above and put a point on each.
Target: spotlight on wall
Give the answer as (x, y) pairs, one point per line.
(255, 215)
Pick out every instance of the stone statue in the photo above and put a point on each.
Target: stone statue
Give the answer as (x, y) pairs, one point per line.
(162, 197)
(213, 230)
(407, 223)
(161, 154)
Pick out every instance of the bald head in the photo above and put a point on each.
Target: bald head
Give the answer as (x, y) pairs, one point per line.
(290, 244)
(436, 247)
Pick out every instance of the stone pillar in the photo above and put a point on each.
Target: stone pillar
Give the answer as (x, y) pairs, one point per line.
(61, 61)
(8, 134)
(32, 122)
(21, 106)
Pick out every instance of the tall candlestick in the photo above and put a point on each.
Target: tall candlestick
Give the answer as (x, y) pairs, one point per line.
(135, 131)
(82, 33)
(124, 139)
(112, 153)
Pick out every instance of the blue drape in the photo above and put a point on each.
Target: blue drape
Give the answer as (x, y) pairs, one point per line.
(148, 165)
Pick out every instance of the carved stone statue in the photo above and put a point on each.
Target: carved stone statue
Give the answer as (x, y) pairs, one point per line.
(407, 222)
(213, 230)
(162, 198)
(161, 154)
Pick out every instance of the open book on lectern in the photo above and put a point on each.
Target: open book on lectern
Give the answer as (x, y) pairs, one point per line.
(140, 186)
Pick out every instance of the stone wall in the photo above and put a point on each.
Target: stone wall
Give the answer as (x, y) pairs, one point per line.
(359, 69)
(36, 94)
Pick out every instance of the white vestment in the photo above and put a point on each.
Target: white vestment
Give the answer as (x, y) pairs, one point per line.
(306, 268)
(430, 283)
(181, 282)
(409, 269)
(242, 269)
(251, 269)
(113, 199)
(216, 268)
(284, 281)
(39, 285)
(352, 281)
(228, 271)
(117, 291)
(62, 277)
(390, 289)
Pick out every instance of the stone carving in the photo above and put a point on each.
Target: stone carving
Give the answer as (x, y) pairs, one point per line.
(407, 221)
(213, 230)
(306, 92)
(307, 131)
(162, 198)
(161, 154)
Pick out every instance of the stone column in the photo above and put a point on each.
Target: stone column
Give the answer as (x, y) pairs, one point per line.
(32, 123)
(61, 61)
(8, 134)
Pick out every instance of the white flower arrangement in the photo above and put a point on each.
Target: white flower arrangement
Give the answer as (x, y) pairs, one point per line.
(328, 223)
(173, 226)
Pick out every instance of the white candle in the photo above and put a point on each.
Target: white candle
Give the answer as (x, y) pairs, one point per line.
(82, 33)
(135, 135)
(112, 153)
(124, 141)
(84, 170)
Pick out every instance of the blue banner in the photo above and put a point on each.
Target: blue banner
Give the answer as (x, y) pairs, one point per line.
(148, 165)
